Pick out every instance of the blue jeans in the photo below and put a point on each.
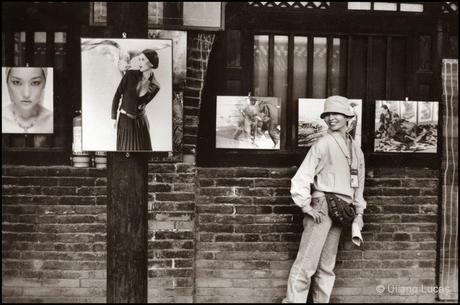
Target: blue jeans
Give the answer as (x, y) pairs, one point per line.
(315, 258)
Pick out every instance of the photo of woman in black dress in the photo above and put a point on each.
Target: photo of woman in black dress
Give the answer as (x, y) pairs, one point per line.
(136, 89)
(127, 94)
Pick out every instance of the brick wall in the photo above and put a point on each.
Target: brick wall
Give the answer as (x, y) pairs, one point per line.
(172, 190)
(65, 237)
(53, 234)
(248, 231)
(247, 234)
(245, 225)
(171, 233)
(215, 234)
(198, 51)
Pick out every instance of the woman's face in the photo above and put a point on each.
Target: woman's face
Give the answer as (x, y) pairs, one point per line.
(25, 86)
(144, 63)
(335, 121)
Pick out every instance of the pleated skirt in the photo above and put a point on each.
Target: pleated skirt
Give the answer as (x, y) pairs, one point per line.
(133, 134)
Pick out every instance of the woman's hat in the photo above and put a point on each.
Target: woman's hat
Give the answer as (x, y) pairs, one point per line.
(337, 104)
(152, 56)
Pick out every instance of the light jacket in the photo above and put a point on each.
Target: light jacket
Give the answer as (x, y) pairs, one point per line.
(327, 169)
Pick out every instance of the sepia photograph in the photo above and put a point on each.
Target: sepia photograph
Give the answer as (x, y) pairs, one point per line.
(27, 100)
(311, 126)
(179, 47)
(230, 152)
(406, 126)
(248, 122)
(126, 94)
(194, 15)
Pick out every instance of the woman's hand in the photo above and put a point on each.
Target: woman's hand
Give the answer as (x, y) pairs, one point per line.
(316, 215)
(114, 124)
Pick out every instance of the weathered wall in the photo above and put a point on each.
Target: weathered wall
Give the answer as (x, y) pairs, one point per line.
(215, 234)
(171, 233)
(248, 231)
(244, 227)
(172, 189)
(53, 234)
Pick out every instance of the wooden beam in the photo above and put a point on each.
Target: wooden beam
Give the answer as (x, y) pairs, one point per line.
(127, 248)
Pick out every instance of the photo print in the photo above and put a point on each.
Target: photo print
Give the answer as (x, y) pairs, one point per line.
(127, 94)
(311, 126)
(406, 126)
(189, 15)
(179, 40)
(247, 122)
(27, 100)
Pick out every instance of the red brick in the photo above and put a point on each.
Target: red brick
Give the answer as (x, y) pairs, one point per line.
(175, 196)
(183, 272)
(222, 209)
(233, 200)
(216, 172)
(216, 191)
(272, 182)
(255, 192)
(235, 182)
(252, 172)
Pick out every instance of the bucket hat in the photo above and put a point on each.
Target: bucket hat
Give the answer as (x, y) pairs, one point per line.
(337, 104)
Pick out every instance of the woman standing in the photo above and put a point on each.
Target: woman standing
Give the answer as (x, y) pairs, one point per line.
(334, 164)
(25, 113)
(136, 89)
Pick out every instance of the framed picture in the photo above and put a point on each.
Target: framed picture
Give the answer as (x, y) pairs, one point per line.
(413, 129)
(27, 100)
(126, 94)
(246, 122)
(179, 40)
(310, 122)
(187, 15)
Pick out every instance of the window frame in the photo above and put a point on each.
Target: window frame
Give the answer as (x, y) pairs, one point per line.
(61, 17)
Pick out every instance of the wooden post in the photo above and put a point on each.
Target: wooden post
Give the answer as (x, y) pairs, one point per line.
(127, 227)
(127, 246)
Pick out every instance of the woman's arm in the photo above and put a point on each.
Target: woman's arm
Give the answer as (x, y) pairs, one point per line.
(117, 96)
(304, 177)
(154, 87)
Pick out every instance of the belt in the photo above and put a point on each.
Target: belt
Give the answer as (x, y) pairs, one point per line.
(131, 116)
(317, 194)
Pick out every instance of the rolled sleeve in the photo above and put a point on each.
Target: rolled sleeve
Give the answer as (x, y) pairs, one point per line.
(304, 177)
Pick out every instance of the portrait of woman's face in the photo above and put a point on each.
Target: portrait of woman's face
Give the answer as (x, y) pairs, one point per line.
(144, 63)
(25, 87)
(27, 100)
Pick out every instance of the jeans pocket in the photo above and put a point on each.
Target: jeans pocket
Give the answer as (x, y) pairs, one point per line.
(320, 204)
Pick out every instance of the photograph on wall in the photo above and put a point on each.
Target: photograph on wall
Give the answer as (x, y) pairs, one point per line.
(126, 94)
(206, 15)
(27, 100)
(311, 126)
(248, 122)
(179, 41)
(406, 126)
